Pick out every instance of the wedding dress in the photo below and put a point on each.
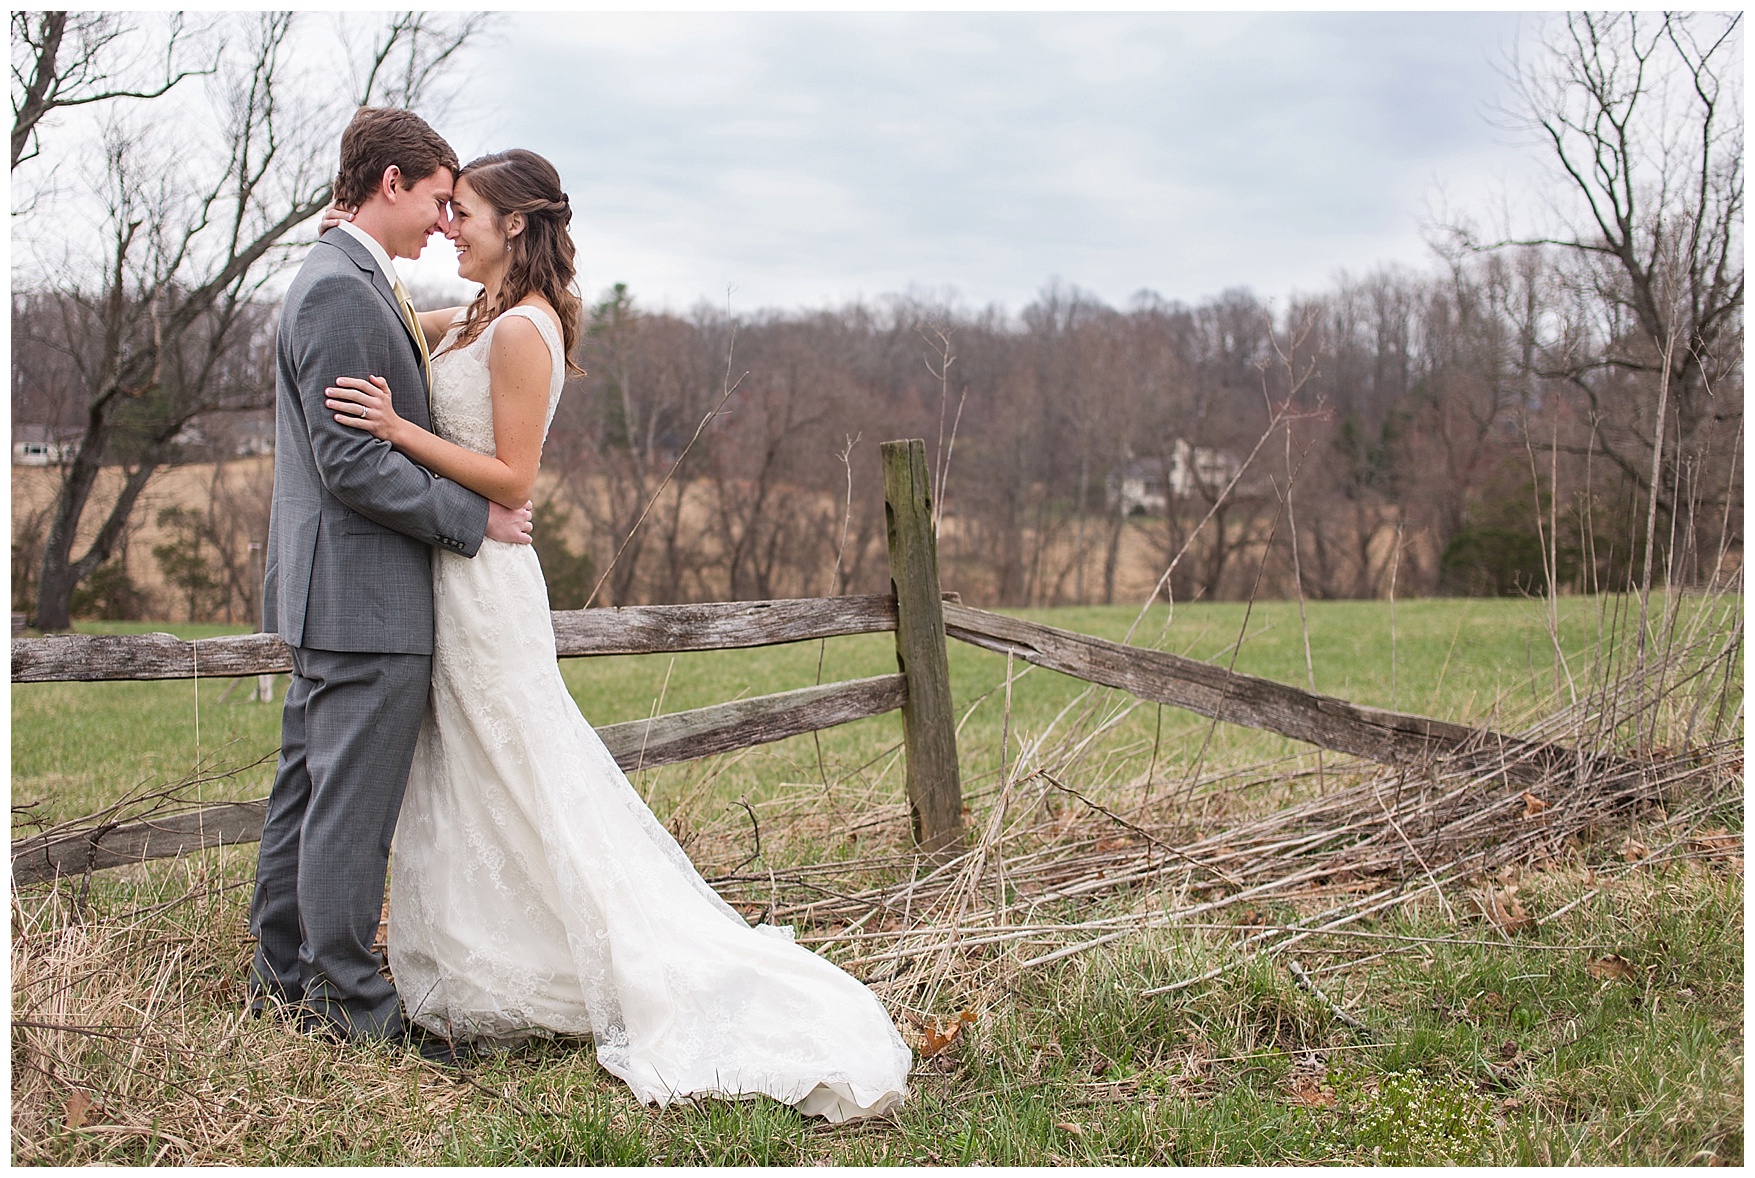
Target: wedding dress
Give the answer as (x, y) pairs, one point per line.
(533, 893)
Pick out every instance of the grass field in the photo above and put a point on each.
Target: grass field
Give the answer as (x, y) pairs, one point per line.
(1481, 1047)
(77, 747)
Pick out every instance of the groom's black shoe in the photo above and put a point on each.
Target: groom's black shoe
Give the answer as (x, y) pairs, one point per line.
(436, 1049)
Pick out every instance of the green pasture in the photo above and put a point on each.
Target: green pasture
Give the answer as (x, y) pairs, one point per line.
(77, 747)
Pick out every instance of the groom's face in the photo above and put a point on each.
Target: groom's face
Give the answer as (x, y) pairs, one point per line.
(420, 211)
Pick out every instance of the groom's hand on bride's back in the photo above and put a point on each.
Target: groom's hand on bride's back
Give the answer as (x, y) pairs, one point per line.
(507, 525)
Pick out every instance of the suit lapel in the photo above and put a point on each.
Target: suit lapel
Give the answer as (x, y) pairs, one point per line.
(362, 257)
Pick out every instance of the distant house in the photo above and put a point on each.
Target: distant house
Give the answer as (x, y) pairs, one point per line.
(1146, 485)
(43, 445)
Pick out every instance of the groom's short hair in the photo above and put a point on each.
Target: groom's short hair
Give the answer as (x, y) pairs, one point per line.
(380, 136)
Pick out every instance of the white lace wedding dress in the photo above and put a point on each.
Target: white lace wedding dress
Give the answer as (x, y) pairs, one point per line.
(533, 893)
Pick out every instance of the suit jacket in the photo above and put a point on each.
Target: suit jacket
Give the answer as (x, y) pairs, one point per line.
(353, 522)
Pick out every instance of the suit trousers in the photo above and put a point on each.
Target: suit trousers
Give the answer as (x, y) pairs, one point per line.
(348, 733)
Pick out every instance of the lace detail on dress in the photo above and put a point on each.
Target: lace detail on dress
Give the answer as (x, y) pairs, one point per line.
(534, 894)
(463, 408)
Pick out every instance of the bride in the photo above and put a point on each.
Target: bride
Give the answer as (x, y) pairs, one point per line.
(533, 893)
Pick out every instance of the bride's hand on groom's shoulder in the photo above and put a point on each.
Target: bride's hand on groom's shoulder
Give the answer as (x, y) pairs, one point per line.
(364, 404)
(334, 215)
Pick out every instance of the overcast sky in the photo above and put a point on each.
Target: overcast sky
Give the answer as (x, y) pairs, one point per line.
(806, 159)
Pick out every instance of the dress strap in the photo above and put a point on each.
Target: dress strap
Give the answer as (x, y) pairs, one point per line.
(550, 333)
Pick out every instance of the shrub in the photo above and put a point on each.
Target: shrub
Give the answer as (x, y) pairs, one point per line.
(570, 575)
(109, 595)
(1492, 562)
(184, 561)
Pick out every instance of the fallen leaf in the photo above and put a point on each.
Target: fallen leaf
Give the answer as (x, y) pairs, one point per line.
(1717, 843)
(1502, 909)
(933, 1042)
(79, 1107)
(1532, 805)
(936, 1041)
(1632, 850)
(1312, 1094)
(1509, 1049)
(1611, 966)
(1070, 1127)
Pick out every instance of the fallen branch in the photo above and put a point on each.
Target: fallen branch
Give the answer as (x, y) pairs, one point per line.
(1304, 983)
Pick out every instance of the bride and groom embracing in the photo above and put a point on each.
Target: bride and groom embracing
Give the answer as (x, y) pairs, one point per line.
(534, 894)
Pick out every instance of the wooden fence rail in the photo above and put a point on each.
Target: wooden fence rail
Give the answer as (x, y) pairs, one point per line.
(1392, 738)
(634, 629)
(916, 612)
(1389, 738)
(637, 744)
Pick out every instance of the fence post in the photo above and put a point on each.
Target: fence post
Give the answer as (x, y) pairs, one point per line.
(935, 794)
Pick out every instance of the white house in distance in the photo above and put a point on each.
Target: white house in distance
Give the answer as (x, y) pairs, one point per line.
(1146, 485)
(42, 445)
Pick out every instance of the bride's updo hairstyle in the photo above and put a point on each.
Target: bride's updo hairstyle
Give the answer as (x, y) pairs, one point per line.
(520, 181)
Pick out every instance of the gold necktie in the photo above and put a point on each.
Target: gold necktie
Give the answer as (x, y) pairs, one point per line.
(413, 321)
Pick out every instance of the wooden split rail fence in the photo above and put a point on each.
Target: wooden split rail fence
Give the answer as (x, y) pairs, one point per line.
(916, 612)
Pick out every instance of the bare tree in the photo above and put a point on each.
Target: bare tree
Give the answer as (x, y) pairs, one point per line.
(72, 59)
(195, 215)
(619, 433)
(1642, 115)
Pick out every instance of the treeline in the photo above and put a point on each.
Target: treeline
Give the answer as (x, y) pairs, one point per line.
(1445, 431)
(1449, 432)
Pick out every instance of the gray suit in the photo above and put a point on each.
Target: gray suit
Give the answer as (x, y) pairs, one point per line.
(349, 587)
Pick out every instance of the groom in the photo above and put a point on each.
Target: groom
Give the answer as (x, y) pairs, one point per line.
(349, 586)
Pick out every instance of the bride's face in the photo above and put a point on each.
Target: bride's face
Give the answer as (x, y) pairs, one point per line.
(481, 238)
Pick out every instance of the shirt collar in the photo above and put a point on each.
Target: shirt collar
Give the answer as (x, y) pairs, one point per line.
(379, 255)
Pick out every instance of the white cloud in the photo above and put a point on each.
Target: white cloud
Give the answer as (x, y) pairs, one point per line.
(809, 157)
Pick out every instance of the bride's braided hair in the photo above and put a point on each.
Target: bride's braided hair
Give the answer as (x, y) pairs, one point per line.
(520, 181)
